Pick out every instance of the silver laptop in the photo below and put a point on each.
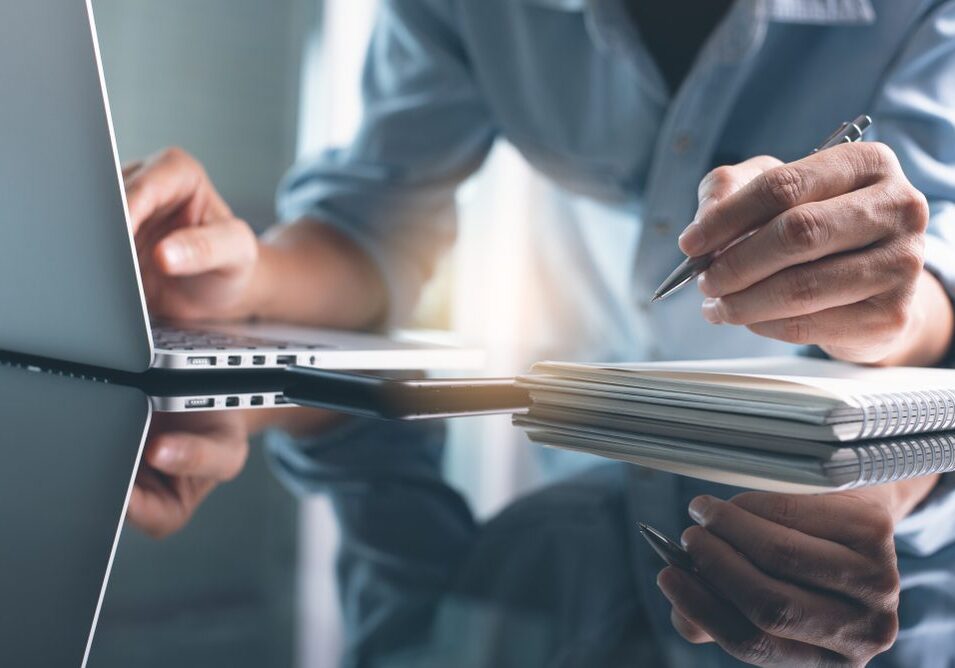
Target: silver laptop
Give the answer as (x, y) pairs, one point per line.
(70, 287)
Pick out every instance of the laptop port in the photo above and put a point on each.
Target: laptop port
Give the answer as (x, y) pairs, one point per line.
(257, 400)
(231, 402)
(258, 360)
(200, 403)
(285, 360)
(201, 361)
(235, 360)
(280, 400)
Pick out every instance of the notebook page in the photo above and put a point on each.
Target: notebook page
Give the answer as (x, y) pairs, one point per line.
(809, 377)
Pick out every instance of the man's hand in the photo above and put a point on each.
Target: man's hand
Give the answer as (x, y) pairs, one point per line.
(835, 259)
(200, 262)
(793, 580)
(186, 457)
(197, 259)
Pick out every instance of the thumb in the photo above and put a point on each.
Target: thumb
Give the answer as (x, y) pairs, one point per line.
(198, 249)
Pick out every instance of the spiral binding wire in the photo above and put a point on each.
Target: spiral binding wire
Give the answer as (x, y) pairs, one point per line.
(904, 458)
(894, 414)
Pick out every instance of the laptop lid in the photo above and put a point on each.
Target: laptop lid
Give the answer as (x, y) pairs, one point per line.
(70, 452)
(69, 280)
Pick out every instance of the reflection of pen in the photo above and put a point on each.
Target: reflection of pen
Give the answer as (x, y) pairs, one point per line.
(692, 267)
(669, 550)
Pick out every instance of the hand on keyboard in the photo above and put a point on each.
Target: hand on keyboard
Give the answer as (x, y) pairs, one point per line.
(197, 259)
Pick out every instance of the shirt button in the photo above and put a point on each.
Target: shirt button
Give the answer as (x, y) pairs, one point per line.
(683, 144)
(661, 227)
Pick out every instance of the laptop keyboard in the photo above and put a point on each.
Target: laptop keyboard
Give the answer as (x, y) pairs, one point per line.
(175, 338)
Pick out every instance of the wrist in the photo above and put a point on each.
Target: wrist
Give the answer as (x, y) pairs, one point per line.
(927, 337)
(258, 292)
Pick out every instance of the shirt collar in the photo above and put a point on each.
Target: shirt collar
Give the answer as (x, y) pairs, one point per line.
(844, 12)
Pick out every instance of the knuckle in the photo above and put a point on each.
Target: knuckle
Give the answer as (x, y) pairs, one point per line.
(784, 507)
(718, 179)
(878, 155)
(883, 628)
(784, 555)
(775, 614)
(914, 209)
(910, 260)
(782, 187)
(175, 154)
(201, 247)
(802, 230)
(801, 289)
(756, 649)
(730, 311)
(796, 330)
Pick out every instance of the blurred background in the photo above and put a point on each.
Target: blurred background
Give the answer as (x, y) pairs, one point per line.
(248, 87)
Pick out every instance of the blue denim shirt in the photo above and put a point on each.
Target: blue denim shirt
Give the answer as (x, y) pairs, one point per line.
(571, 86)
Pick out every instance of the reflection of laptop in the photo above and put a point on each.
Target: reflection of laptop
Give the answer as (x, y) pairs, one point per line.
(69, 461)
(69, 279)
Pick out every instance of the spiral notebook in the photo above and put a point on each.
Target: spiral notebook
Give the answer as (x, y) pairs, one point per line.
(795, 424)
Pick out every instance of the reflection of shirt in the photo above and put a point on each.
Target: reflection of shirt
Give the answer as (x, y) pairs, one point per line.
(560, 578)
(570, 85)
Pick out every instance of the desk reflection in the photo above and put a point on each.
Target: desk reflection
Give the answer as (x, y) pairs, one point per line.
(560, 577)
(69, 453)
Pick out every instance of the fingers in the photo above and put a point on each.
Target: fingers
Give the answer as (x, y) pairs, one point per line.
(197, 456)
(803, 234)
(161, 507)
(784, 552)
(688, 630)
(188, 251)
(809, 288)
(724, 181)
(171, 181)
(730, 629)
(819, 177)
(775, 607)
(864, 332)
(849, 519)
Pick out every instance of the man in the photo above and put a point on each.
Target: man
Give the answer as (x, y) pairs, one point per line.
(648, 111)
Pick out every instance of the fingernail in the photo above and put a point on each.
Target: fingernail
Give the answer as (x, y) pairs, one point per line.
(691, 240)
(174, 254)
(704, 284)
(167, 455)
(698, 507)
(711, 311)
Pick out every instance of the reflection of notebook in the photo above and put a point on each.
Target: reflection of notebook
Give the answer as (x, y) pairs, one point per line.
(772, 423)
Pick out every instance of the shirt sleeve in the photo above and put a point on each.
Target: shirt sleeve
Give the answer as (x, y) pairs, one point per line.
(915, 116)
(425, 128)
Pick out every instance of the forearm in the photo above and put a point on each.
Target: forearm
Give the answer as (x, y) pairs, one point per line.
(310, 274)
(928, 334)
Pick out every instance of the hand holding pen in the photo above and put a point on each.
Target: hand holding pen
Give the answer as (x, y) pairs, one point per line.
(827, 250)
(779, 579)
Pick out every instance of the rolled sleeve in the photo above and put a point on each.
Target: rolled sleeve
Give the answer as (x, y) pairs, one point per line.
(425, 129)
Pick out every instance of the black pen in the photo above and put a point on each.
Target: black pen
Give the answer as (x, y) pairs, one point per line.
(669, 550)
(692, 267)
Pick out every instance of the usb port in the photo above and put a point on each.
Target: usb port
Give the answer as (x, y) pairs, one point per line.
(200, 403)
(280, 400)
(235, 360)
(257, 400)
(201, 361)
(231, 402)
(285, 360)
(258, 360)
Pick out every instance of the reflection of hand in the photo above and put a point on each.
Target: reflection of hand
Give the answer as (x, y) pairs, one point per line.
(186, 457)
(836, 259)
(791, 580)
(197, 259)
